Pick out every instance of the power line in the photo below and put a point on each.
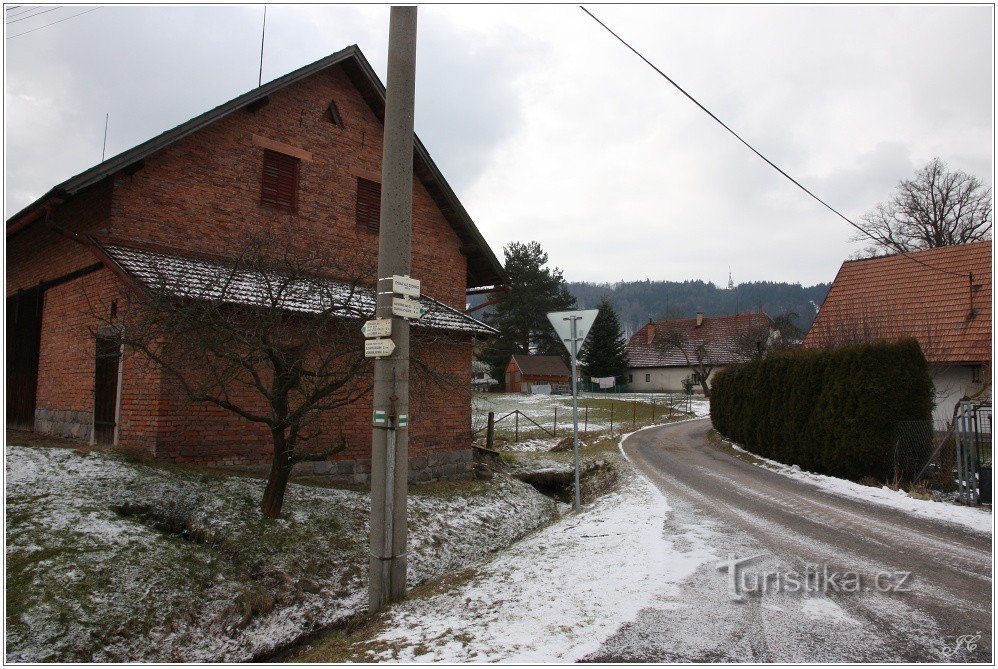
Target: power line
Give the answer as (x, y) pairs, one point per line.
(24, 18)
(53, 23)
(25, 9)
(756, 152)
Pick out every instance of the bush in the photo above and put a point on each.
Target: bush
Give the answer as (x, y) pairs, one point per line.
(828, 411)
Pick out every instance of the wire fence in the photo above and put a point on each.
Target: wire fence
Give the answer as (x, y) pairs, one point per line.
(545, 417)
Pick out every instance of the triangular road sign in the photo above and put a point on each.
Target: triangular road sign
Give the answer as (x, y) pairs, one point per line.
(562, 323)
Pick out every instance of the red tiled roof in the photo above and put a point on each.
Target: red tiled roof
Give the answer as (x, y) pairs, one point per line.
(541, 365)
(722, 335)
(894, 296)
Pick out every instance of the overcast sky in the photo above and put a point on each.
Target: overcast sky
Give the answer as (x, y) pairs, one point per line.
(549, 129)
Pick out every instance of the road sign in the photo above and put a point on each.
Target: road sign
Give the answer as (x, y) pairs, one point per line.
(405, 285)
(407, 308)
(378, 348)
(562, 322)
(379, 327)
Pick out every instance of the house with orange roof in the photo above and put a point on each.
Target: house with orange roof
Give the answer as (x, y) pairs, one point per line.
(663, 353)
(941, 297)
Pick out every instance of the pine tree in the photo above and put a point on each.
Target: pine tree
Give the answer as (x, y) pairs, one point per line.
(605, 351)
(521, 317)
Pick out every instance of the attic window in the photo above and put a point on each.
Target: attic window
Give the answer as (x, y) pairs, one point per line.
(334, 115)
(368, 205)
(279, 187)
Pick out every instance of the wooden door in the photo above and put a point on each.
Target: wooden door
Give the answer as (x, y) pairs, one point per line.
(106, 389)
(24, 335)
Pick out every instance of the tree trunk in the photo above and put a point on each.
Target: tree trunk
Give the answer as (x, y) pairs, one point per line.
(280, 471)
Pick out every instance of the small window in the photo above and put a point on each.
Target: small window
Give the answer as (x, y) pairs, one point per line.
(975, 374)
(279, 187)
(368, 205)
(647, 378)
(630, 378)
(334, 115)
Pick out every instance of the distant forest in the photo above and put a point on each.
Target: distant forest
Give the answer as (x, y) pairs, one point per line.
(637, 301)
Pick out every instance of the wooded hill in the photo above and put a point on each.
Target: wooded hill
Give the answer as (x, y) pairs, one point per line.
(637, 301)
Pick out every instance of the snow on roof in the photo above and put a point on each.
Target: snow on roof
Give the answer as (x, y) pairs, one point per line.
(944, 301)
(649, 347)
(214, 280)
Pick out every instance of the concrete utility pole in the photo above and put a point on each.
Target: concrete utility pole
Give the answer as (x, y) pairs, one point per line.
(390, 442)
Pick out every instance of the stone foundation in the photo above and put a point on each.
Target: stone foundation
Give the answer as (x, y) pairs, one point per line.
(75, 425)
(443, 465)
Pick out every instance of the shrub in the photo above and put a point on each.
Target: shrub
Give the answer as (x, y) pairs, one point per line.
(829, 411)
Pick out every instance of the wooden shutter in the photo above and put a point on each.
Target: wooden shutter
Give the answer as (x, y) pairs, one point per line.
(280, 181)
(368, 205)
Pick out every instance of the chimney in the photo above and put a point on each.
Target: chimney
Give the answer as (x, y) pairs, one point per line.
(650, 331)
(699, 318)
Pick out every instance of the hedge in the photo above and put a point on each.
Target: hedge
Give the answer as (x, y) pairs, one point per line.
(829, 411)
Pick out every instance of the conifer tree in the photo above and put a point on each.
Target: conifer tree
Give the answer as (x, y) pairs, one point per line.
(605, 351)
(521, 317)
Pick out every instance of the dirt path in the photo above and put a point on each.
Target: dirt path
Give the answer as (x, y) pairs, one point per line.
(747, 510)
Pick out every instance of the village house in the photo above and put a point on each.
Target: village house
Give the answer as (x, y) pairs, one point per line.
(536, 373)
(941, 297)
(301, 153)
(664, 353)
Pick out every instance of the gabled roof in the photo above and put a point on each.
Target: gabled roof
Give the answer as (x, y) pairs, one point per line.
(723, 337)
(200, 278)
(541, 365)
(942, 297)
(484, 269)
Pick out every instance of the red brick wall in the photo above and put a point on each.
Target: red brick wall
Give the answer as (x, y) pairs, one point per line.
(37, 253)
(439, 412)
(203, 192)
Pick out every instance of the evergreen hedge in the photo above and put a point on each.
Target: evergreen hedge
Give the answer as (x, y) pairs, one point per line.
(828, 411)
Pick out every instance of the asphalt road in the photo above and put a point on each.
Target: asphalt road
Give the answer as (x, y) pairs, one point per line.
(739, 508)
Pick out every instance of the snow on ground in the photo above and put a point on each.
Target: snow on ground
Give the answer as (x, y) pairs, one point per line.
(978, 520)
(555, 595)
(89, 583)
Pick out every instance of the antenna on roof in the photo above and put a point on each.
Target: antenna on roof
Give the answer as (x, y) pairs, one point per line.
(263, 36)
(103, 150)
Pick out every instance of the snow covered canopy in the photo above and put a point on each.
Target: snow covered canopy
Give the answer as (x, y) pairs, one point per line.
(198, 278)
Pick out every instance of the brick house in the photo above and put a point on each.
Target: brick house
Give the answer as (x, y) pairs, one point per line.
(301, 153)
(525, 371)
(941, 297)
(658, 366)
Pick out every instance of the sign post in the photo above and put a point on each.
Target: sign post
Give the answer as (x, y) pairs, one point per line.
(572, 328)
(387, 566)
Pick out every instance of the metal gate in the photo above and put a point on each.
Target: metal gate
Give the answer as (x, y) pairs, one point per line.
(974, 453)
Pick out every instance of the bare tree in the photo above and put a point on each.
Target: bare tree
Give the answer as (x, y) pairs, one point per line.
(761, 339)
(935, 208)
(696, 354)
(269, 337)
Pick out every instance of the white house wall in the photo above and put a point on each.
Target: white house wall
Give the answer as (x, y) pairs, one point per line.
(662, 379)
(952, 383)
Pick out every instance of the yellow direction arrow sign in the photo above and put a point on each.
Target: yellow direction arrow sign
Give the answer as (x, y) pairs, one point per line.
(378, 348)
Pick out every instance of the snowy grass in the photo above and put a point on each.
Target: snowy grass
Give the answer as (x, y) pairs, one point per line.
(978, 520)
(597, 413)
(115, 561)
(554, 596)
